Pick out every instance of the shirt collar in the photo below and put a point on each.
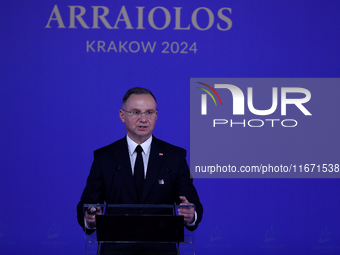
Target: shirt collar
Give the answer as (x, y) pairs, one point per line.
(132, 145)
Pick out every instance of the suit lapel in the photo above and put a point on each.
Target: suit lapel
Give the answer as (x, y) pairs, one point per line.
(121, 153)
(154, 166)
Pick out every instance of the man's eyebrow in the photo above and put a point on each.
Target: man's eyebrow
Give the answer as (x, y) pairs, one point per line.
(145, 110)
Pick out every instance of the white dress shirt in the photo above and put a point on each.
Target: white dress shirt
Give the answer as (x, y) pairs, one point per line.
(146, 146)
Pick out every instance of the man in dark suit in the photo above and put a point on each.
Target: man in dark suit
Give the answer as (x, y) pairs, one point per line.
(140, 169)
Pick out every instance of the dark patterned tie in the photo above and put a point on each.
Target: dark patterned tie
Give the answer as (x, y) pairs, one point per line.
(139, 172)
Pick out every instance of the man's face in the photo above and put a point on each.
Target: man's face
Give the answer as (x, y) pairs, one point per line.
(139, 129)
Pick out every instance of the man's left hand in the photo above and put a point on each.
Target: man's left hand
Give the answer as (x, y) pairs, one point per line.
(188, 213)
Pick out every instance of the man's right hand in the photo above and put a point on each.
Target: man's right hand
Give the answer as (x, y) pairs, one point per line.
(90, 216)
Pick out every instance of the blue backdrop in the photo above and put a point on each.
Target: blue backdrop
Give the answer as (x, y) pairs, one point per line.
(65, 67)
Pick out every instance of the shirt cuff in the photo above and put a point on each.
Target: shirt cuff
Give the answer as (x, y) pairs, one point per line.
(194, 222)
(87, 227)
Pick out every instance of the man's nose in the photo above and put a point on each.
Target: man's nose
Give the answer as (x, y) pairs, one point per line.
(143, 117)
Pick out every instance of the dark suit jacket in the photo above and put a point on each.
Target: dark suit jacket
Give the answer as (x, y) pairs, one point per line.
(111, 180)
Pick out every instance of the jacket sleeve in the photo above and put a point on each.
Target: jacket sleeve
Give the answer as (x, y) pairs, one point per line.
(185, 187)
(93, 192)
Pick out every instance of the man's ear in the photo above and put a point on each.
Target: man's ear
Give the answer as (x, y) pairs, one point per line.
(121, 115)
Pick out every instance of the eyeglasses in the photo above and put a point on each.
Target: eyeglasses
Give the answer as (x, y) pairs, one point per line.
(150, 114)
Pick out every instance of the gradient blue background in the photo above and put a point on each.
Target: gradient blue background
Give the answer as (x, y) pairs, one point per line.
(59, 103)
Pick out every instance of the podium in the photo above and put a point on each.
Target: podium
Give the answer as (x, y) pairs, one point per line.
(128, 229)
